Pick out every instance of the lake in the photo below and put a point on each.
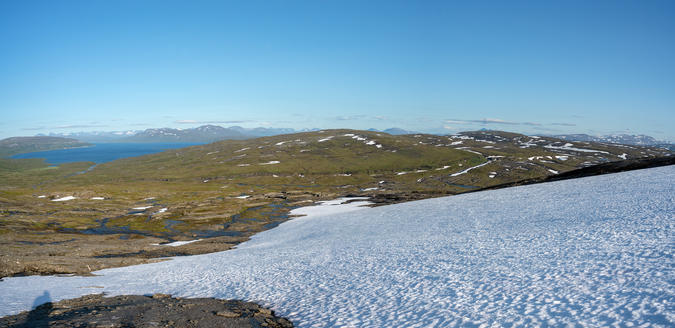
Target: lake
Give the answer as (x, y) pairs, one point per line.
(103, 152)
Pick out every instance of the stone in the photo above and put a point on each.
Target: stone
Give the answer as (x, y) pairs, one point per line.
(228, 314)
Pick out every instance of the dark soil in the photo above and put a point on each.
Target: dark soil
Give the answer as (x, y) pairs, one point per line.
(158, 310)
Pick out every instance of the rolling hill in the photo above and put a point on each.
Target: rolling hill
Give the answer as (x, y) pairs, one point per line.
(226, 191)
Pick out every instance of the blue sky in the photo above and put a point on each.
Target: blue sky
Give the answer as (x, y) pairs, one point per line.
(538, 67)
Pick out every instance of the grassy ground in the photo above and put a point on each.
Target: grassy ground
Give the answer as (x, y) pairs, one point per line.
(234, 189)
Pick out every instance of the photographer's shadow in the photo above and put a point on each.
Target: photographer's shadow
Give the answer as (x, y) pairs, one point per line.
(39, 316)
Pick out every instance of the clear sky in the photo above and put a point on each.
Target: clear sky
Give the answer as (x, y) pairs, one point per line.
(541, 67)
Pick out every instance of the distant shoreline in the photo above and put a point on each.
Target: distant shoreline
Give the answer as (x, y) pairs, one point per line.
(108, 152)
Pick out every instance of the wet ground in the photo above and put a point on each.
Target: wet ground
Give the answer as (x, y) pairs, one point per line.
(105, 246)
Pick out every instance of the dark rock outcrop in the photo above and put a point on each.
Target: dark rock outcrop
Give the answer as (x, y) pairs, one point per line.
(159, 310)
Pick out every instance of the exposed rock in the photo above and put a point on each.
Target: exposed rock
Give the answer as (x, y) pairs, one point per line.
(159, 310)
(228, 314)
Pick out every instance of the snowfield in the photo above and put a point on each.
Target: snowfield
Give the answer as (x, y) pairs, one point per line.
(596, 251)
(63, 199)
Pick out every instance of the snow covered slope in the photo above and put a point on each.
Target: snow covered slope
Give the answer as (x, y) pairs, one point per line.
(594, 251)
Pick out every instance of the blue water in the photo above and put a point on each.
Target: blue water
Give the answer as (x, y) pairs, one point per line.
(101, 153)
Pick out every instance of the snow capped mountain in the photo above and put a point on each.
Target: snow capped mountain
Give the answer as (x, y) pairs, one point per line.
(624, 139)
(124, 133)
(205, 133)
(201, 134)
(96, 136)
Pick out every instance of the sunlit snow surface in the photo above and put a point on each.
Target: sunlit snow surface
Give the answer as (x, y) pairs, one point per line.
(593, 251)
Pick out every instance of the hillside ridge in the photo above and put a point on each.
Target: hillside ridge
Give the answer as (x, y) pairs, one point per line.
(123, 212)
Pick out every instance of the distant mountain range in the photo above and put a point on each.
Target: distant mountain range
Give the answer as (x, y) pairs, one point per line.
(624, 139)
(211, 133)
(206, 133)
(94, 136)
(395, 131)
(202, 134)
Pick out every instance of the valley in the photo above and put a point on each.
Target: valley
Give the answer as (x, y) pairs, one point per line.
(128, 211)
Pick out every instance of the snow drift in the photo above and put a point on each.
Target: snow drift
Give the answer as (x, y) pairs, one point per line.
(594, 251)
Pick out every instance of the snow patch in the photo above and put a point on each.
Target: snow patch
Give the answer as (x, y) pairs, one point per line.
(178, 243)
(469, 150)
(510, 257)
(331, 207)
(568, 147)
(469, 169)
(63, 199)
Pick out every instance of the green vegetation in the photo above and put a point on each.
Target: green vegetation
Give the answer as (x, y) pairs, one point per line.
(239, 187)
(201, 185)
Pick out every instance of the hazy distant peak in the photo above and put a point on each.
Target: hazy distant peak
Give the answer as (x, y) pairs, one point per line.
(398, 131)
(625, 139)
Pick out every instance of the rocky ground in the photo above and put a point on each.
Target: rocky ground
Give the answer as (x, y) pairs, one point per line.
(56, 253)
(82, 254)
(126, 212)
(159, 310)
(78, 218)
